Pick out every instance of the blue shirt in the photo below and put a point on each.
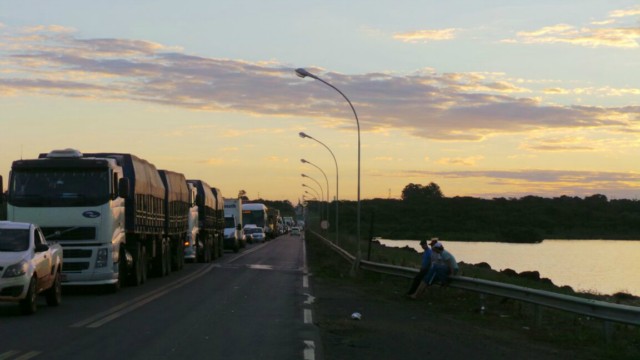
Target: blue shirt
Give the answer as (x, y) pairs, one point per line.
(426, 259)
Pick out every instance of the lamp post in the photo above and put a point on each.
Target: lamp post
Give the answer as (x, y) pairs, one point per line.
(303, 135)
(314, 190)
(325, 179)
(316, 181)
(304, 73)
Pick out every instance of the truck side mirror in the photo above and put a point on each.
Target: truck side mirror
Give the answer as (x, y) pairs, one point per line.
(123, 188)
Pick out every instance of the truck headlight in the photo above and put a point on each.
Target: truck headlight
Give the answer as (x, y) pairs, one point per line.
(15, 270)
(101, 259)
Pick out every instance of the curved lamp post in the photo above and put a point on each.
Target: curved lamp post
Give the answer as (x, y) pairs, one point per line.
(325, 179)
(314, 190)
(303, 135)
(316, 181)
(304, 73)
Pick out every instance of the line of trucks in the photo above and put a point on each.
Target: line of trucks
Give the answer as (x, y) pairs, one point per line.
(117, 218)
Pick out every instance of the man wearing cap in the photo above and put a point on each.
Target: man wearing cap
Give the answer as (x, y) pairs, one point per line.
(425, 266)
(443, 265)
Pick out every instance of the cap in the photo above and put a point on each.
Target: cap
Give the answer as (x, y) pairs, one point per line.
(438, 246)
(433, 241)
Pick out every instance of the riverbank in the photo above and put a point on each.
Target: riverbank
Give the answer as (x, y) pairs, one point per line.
(444, 323)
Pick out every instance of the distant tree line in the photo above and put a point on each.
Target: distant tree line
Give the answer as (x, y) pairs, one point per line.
(424, 212)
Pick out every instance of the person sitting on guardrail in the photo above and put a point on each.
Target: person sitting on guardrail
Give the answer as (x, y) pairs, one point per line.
(424, 266)
(443, 265)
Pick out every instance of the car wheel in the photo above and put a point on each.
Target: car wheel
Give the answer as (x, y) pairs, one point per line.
(29, 305)
(54, 294)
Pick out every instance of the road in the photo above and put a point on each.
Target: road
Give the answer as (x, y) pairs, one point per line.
(250, 305)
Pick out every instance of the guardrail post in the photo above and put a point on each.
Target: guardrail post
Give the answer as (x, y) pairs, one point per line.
(356, 265)
(608, 328)
(482, 304)
(537, 311)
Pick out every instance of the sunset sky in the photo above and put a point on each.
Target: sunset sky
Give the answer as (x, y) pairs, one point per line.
(484, 98)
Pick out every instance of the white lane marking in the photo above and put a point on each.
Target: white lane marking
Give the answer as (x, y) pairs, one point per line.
(309, 352)
(28, 355)
(308, 319)
(310, 299)
(8, 354)
(128, 306)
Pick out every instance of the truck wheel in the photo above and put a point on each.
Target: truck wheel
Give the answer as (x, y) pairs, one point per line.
(138, 273)
(29, 305)
(122, 272)
(54, 294)
(167, 258)
(145, 265)
(159, 262)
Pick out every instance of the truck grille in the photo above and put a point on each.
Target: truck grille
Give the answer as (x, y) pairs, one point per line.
(70, 233)
(76, 253)
(74, 266)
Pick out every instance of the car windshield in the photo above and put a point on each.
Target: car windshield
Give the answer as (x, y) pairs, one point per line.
(253, 231)
(14, 240)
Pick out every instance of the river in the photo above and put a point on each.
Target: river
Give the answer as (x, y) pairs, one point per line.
(596, 266)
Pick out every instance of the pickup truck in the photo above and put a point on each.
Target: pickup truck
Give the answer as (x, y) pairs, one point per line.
(28, 266)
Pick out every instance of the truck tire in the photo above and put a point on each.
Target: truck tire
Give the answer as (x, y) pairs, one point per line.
(122, 272)
(54, 294)
(159, 262)
(139, 271)
(177, 262)
(167, 258)
(29, 305)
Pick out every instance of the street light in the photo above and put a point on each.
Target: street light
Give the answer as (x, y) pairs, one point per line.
(316, 181)
(314, 190)
(303, 135)
(304, 73)
(325, 179)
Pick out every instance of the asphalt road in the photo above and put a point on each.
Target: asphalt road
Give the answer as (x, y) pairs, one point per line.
(250, 305)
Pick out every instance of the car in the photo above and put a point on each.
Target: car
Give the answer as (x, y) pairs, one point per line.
(254, 233)
(295, 231)
(29, 265)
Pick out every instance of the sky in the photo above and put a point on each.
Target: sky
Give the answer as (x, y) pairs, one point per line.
(484, 98)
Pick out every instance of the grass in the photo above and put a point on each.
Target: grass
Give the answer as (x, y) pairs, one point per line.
(559, 328)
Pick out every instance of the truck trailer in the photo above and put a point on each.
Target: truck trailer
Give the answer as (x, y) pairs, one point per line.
(207, 239)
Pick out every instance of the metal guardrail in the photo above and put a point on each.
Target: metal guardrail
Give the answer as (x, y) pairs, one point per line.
(593, 308)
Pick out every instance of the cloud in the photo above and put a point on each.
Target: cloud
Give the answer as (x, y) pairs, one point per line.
(467, 161)
(425, 104)
(602, 33)
(426, 35)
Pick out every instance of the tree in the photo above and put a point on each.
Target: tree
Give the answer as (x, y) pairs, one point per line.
(413, 192)
(243, 195)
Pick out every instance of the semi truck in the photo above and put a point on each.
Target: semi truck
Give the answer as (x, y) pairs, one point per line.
(207, 239)
(234, 237)
(107, 210)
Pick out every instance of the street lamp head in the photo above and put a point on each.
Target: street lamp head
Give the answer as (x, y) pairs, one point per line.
(303, 73)
(303, 175)
(303, 135)
(303, 161)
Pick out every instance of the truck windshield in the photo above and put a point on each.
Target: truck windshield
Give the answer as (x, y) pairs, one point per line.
(229, 222)
(255, 217)
(59, 187)
(14, 240)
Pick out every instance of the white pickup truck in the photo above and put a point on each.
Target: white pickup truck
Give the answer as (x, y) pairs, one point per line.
(28, 266)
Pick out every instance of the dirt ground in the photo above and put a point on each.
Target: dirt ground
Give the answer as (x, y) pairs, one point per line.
(395, 327)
